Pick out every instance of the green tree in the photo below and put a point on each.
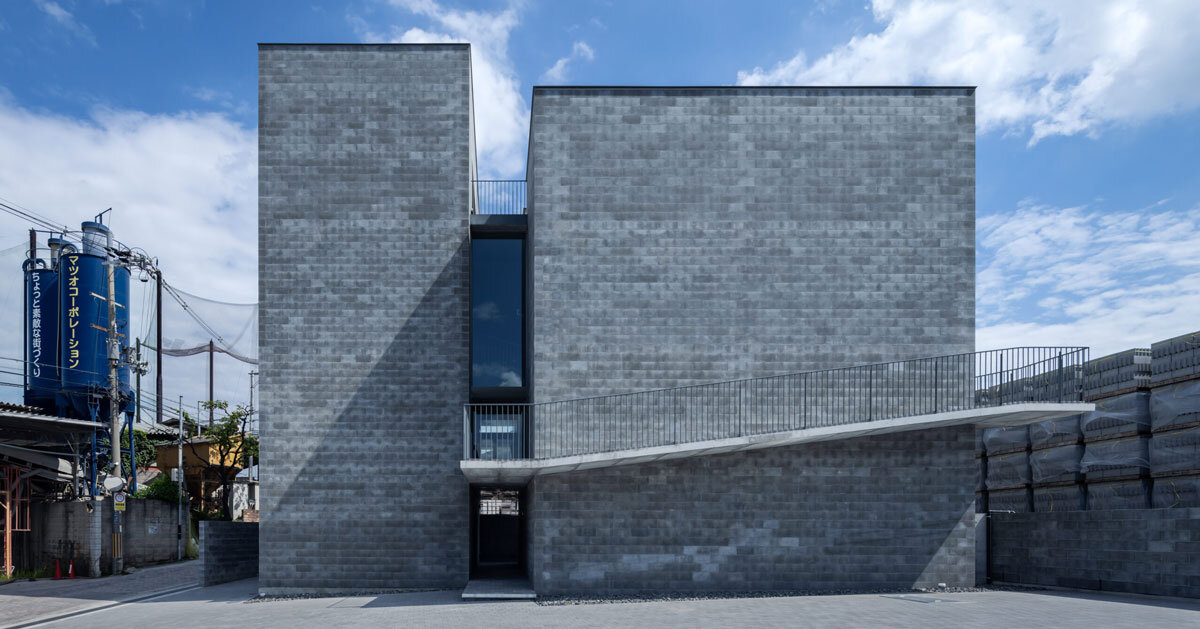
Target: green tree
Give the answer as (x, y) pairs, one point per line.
(231, 446)
(145, 450)
(161, 488)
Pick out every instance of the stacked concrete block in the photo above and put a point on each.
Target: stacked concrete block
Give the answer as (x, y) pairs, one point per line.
(881, 511)
(1006, 439)
(1175, 452)
(365, 163)
(1176, 359)
(1055, 432)
(1177, 492)
(1056, 465)
(1126, 494)
(1175, 406)
(1143, 551)
(1118, 416)
(1006, 471)
(1055, 498)
(1117, 373)
(1119, 458)
(1010, 500)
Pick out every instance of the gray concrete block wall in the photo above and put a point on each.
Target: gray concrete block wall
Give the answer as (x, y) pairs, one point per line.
(891, 511)
(228, 551)
(66, 531)
(685, 236)
(364, 176)
(1143, 551)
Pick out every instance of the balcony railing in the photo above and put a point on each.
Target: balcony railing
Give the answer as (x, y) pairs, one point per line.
(499, 196)
(796, 401)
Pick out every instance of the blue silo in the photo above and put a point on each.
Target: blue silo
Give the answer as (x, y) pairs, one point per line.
(83, 284)
(41, 334)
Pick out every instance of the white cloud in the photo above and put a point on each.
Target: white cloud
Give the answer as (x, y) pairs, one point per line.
(183, 187)
(501, 113)
(220, 98)
(1078, 276)
(66, 19)
(557, 73)
(1050, 68)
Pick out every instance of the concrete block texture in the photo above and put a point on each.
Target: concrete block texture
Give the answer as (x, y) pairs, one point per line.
(874, 512)
(1143, 551)
(66, 531)
(365, 163)
(684, 236)
(228, 551)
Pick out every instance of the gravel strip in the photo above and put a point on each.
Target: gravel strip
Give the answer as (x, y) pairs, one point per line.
(641, 598)
(296, 597)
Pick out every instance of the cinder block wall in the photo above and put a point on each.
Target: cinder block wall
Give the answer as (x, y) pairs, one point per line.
(684, 236)
(364, 172)
(1144, 551)
(66, 531)
(228, 551)
(890, 511)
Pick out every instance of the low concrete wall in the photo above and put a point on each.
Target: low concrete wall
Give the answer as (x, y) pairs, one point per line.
(67, 531)
(228, 551)
(1144, 551)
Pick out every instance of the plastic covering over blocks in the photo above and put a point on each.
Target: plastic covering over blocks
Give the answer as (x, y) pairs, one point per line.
(1055, 432)
(1005, 439)
(1016, 500)
(1120, 415)
(1112, 458)
(1008, 470)
(1059, 498)
(1056, 465)
(1177, 492)
(1175, 406)
(1128, 494)
(1175, 451)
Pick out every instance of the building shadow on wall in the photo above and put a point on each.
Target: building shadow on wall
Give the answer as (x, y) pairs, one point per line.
(381, 502)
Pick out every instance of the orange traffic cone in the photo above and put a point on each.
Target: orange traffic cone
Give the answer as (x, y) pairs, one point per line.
(71, 570)
(57, 571)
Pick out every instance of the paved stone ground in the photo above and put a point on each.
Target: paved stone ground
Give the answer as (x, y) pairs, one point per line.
(25, 601)
(224, 606)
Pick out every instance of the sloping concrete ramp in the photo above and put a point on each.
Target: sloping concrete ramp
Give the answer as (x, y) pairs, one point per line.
(517, 471)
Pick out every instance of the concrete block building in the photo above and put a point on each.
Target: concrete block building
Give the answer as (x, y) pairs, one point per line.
(720, 338)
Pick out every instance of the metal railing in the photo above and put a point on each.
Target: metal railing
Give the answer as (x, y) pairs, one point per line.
(753, 406)
(499, 196)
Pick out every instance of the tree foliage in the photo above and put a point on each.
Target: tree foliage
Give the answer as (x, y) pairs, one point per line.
(229, 441)
(161, 488)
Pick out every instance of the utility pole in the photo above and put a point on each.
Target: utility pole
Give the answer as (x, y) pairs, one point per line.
(114, 406)
(250, 460)
(138, 397)
(179, 469)
(158, 385)
(210, 382)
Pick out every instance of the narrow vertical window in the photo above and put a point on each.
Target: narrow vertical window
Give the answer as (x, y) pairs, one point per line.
(497, 318)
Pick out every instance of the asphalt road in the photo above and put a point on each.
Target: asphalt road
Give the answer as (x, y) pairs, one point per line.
(226, 606)
(25, 601)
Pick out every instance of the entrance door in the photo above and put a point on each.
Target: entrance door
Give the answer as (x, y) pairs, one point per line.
(498, 528)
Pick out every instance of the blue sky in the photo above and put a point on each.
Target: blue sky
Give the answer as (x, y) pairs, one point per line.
(1088, 191)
